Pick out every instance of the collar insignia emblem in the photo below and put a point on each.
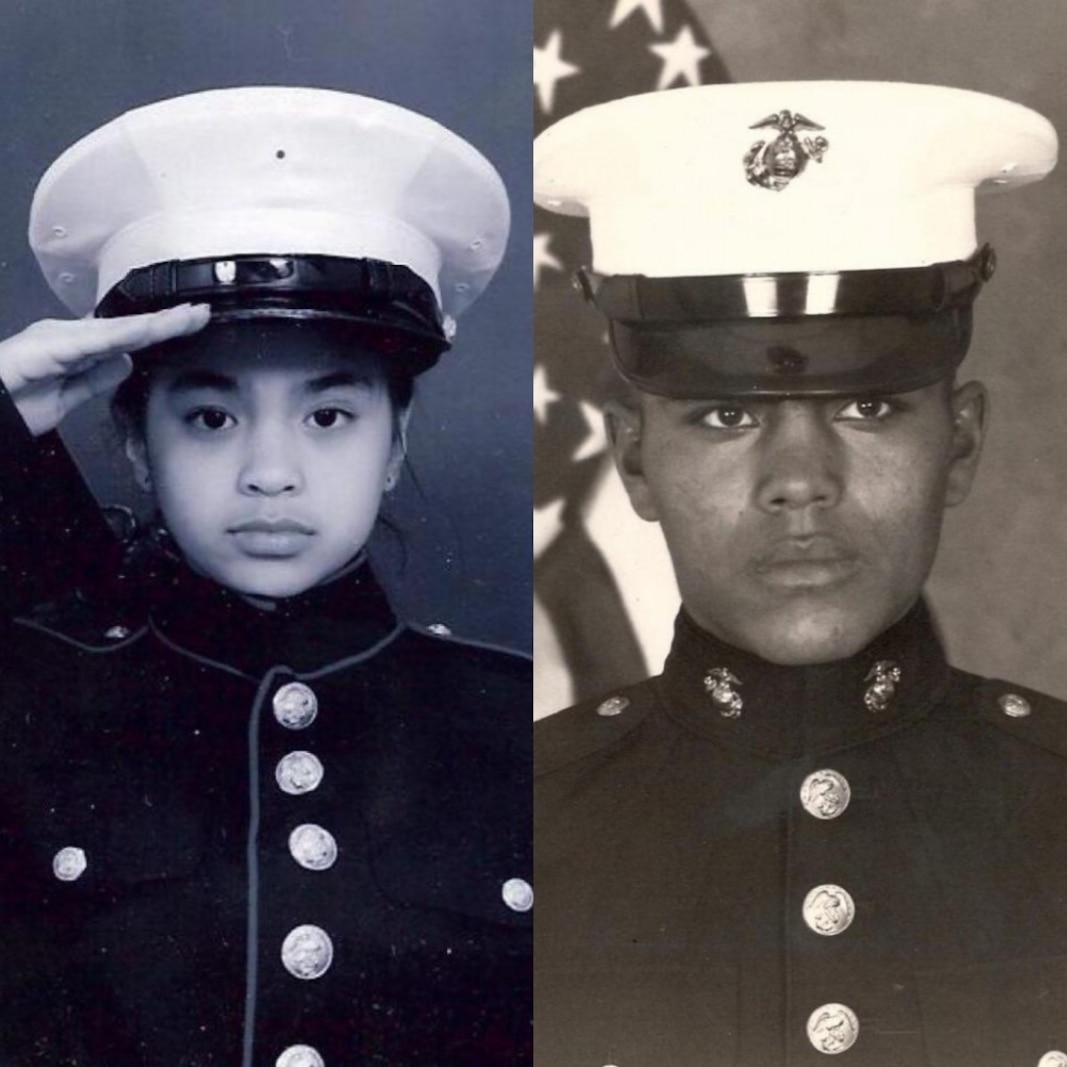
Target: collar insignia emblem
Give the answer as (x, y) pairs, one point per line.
(719, 685)
(774, 164)
(884, 677)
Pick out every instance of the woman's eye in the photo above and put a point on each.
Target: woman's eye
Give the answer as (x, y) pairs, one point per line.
(727, 417)
(327, 418)
(867, 409)
(211, 419)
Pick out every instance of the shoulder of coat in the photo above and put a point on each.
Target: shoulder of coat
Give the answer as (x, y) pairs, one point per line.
(442, 634)
(486, 688)
(592, 727)
(79, 621)
(1024, 713)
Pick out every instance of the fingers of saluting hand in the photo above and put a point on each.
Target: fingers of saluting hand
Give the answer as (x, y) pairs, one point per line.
(57, 348)
(54, 365)
(45, 403)
(95, 379)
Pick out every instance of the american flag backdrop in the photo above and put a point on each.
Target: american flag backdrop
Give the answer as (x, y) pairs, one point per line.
(604, 603)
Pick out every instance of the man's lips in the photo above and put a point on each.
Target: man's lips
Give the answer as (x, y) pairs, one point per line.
(806, 562)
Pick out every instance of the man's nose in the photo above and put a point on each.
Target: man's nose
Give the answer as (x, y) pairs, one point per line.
(800, 460)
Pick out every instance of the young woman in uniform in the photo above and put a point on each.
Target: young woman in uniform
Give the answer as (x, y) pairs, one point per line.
(247, 816)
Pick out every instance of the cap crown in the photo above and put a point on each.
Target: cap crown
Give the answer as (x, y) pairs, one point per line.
(269, 170)
(786, 176)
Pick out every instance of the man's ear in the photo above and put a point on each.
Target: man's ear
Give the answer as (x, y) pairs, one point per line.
(624, 425)
(969, 404)
(137, 454)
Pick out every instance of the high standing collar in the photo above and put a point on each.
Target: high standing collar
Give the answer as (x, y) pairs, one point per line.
(744, 702)
(346, 617)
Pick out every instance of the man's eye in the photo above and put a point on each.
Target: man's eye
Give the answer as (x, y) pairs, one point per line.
(210, 419)
(868, 409)
(327, 418)
(727, 417)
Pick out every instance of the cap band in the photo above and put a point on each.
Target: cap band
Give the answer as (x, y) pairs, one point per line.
(384, 297)
(904, 291)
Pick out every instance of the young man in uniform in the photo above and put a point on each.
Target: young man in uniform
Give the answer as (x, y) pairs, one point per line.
(810, 835)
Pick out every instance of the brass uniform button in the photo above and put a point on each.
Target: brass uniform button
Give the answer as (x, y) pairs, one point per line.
(300, 1056)
(833, 1028)
(613, 706)
(295, 706)
(825, 794)
(517, 894)
(829, 910)
(314, 848)
(307, 952)
(298, 772)
(1014, 705)
(69, 864)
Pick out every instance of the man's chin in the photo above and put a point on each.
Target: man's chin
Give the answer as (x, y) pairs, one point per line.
(807, 636)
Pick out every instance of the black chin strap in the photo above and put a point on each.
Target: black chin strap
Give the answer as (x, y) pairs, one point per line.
(635, 298)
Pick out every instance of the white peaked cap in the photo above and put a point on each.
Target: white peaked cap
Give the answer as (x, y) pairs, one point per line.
(671, 181)
(269, 170)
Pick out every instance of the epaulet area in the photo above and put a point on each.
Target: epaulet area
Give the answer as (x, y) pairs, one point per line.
(1024, 713)
(489, 685)
(595, 726)
(109, 611)
(84, 622)
(439, 631)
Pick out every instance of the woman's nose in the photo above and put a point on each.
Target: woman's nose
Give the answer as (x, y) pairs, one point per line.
(271, 467)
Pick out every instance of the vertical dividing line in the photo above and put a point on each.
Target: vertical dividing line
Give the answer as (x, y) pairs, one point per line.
(788, 824)
(252, 866)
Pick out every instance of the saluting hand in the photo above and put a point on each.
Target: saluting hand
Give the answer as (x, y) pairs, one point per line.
(54, 365)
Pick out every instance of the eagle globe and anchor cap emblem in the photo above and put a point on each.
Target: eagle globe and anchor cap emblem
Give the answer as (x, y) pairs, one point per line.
(774, 164)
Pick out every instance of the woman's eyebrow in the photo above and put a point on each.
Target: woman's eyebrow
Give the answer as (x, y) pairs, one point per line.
(190, 380)
(335, 380)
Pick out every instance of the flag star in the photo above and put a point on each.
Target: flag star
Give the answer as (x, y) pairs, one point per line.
(681, 59)
(549, 67)
(542, 257)
(625, 8)
(595, 441)
(543, 394)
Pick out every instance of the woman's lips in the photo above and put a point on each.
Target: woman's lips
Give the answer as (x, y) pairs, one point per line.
(273, 538)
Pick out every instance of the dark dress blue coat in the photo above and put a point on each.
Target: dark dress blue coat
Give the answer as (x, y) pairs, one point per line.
(711, 895)
(149, 877)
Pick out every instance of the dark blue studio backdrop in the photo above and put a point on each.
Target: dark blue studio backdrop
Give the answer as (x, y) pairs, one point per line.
(462, 551)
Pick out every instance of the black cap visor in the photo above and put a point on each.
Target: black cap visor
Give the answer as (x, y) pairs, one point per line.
(777, 335)
(814, 356)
